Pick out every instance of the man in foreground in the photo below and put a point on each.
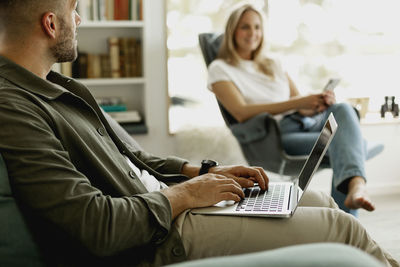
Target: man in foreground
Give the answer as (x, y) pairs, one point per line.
(91, 198)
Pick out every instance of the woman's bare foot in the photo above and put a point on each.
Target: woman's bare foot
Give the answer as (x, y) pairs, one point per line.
(357, 196)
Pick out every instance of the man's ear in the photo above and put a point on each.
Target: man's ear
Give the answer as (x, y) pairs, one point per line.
(49, 20)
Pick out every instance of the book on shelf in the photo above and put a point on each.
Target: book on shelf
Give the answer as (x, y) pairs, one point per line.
(102, 10)
(121, 10)
(94, 13)
(66, 68)
(114, 108)
(113, 47)
(117, 109)
(137, 59)
(79, 66)
(105, 66)
(93, 66)
(130, 57)
(109, 9)
(130, 116)
(84, 10)
(111, 104)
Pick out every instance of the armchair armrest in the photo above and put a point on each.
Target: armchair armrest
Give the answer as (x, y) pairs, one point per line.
(256, 128)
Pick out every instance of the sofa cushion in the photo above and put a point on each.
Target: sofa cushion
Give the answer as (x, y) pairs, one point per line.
(309, 255)
(17, 247)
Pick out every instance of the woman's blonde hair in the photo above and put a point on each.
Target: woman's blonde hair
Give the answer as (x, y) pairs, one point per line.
(228, 51)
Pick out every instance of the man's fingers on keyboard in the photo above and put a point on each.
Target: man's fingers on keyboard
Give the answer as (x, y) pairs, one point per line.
(264, 175)
(261, 177)
(245, 182)
(229, 196)
(236, 189)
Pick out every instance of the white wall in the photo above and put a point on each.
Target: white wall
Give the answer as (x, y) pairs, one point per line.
(157, 141)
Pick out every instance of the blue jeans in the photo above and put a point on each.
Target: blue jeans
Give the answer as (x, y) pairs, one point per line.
(347, 152)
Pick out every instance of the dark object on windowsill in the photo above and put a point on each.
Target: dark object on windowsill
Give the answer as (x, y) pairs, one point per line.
(390, 106)
(182, 101)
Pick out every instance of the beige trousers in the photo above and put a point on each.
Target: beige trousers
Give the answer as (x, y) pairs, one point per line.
(317, 219)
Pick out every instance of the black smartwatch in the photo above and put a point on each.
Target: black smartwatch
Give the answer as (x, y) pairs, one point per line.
(206, 164)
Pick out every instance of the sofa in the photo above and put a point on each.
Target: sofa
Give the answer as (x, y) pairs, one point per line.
(18, 247)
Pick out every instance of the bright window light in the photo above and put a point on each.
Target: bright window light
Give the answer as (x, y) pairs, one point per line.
(355, 40)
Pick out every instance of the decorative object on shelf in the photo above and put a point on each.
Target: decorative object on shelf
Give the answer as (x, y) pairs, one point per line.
(390, 106)
(361, 104)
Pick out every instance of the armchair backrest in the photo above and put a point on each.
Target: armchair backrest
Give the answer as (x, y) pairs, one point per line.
(17, 247)
(209, 45)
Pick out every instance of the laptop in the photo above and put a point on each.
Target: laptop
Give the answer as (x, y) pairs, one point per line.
(282, 198)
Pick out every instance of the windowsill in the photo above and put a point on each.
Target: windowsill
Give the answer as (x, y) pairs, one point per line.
(374, 118)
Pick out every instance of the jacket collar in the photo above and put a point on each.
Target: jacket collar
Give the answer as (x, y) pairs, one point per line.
(18, 75)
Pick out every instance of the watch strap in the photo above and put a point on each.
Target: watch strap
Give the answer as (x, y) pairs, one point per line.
(206, 164)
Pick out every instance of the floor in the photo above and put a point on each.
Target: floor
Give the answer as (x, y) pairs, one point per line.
(383, 223)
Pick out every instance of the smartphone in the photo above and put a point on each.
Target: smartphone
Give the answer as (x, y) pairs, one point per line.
(330, 86)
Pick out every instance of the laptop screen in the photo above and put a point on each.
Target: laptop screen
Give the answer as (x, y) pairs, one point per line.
(318, 152)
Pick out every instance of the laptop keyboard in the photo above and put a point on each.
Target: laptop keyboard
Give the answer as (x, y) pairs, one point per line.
(259, 200)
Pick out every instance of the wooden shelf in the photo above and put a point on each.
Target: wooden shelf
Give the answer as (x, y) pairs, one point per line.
(374, 118)
(112, 81)
(112, 24)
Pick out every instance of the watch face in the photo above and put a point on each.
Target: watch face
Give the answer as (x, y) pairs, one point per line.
(206, 165)
(209, 162)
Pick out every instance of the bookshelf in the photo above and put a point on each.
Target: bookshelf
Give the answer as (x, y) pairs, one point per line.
(127, 83)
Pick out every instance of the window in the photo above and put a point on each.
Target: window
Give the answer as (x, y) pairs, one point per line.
(354, 40)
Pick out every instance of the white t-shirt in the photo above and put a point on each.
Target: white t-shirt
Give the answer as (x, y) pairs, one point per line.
(148, 180)
(255, 86)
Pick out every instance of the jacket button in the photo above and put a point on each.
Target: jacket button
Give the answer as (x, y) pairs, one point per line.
(158, 237)
(101, 131)
(132, 174)
(177, 251)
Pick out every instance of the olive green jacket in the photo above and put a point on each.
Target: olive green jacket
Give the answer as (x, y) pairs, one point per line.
(67, 170)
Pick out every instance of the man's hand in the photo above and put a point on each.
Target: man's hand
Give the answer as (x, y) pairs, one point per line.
(245, 176)
(202, 191)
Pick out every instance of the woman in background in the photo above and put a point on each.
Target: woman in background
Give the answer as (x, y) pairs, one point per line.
(247, 82)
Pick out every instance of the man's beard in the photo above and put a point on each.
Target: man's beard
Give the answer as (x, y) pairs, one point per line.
(65, 50)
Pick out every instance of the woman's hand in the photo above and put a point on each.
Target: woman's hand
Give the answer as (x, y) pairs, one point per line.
(314, 102)
(329, 98)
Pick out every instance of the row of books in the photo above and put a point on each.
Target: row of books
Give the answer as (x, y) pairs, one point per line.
(117, 109)
(124, 59)
(101, 10)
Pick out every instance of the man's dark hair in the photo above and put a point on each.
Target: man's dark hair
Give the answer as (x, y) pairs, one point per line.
(17, 16)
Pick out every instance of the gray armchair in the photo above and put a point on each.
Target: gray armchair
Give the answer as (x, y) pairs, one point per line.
(259, 137)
